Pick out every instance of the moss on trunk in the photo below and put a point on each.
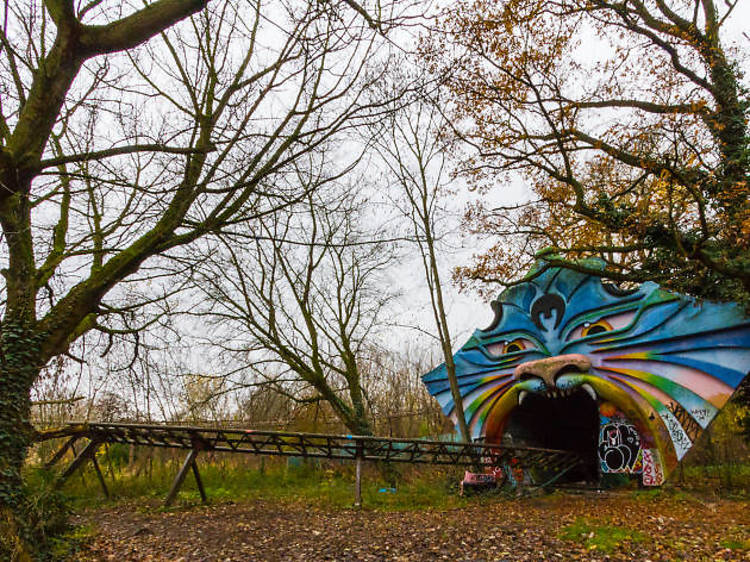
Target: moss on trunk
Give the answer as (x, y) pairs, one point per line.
(19, 367)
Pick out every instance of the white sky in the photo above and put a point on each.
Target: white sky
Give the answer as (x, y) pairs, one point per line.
(468, 311)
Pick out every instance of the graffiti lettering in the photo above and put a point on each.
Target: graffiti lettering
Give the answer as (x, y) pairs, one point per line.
(691, 427)
(653, 474)
(701, 414)
(680, 440)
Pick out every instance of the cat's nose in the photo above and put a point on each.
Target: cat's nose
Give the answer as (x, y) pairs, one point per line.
(550, 368)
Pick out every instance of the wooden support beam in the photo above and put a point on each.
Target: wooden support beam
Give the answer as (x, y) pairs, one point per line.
(88, 452)
(100, 475)
(61, 452)
(198, 481)
(180, 478)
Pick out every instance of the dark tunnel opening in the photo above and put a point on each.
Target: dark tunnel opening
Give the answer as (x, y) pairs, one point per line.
(569, 423)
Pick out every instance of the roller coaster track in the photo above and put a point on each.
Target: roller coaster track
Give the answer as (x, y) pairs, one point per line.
(311, 445)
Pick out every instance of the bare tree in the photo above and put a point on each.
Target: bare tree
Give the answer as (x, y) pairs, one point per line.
(301, 303)
(415, 154)
(125, 138)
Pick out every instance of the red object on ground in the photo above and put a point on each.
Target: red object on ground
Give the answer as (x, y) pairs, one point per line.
(477, 482)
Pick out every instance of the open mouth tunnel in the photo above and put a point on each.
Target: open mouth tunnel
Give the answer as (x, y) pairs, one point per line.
(569, 422)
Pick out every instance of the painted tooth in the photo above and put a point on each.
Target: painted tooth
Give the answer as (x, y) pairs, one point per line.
(521, 396)
(588, 388)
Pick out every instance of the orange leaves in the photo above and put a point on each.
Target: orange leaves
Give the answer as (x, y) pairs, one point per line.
(629, 129)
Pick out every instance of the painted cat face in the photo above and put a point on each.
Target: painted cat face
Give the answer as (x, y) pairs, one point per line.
(667, 361)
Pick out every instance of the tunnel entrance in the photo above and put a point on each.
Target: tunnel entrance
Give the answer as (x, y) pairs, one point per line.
(569, 423)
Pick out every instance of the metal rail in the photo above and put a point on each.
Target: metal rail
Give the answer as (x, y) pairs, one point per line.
(318, 445)
(315, 445)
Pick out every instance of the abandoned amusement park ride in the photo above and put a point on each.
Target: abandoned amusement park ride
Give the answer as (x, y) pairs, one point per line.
(575, 380)
(626, 378)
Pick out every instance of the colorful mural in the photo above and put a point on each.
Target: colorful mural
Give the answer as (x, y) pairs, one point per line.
(659, 366)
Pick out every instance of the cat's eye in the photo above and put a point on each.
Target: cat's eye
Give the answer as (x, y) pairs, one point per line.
(515, 345)
(497, 349)
(589, 329)
(603, 325)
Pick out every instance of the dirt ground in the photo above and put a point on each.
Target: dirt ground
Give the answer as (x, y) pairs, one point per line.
(527, 529)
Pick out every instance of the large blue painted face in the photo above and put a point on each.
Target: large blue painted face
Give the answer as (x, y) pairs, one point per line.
(667, 361)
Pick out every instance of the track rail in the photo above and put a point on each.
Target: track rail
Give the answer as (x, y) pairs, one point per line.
(312, 445)
(319, 445)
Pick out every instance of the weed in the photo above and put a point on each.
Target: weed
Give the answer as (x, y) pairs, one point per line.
(735, 544)
(327, 485)
(600, 536)
(67, 544)
(647, 495)
(736, 538)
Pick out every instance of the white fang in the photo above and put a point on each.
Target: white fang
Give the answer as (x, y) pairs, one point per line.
(588, 388)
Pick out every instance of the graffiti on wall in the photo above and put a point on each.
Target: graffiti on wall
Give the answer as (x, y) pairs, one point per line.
(619, 448)
(653, 473)
(669, 363)
(619, 445)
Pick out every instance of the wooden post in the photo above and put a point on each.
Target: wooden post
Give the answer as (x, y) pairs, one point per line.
(358, 484)
(358, 477)
(180, 478)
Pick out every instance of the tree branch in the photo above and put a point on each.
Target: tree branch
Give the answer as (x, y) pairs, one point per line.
(138, 27)
(120, 150)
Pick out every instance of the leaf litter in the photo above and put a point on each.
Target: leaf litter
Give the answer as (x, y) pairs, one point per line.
(554, 527)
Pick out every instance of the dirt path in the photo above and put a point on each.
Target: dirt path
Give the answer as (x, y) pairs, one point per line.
(529, 529)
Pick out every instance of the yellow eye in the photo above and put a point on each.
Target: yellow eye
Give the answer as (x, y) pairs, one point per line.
(513, 346)
(596, 328)
(619, 321)
(500, 348)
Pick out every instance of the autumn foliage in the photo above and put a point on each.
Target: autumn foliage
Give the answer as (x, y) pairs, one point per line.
(626, 120)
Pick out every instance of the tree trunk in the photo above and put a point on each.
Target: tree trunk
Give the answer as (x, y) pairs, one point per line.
(19, 367)
(441, 319)
(358, 408)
